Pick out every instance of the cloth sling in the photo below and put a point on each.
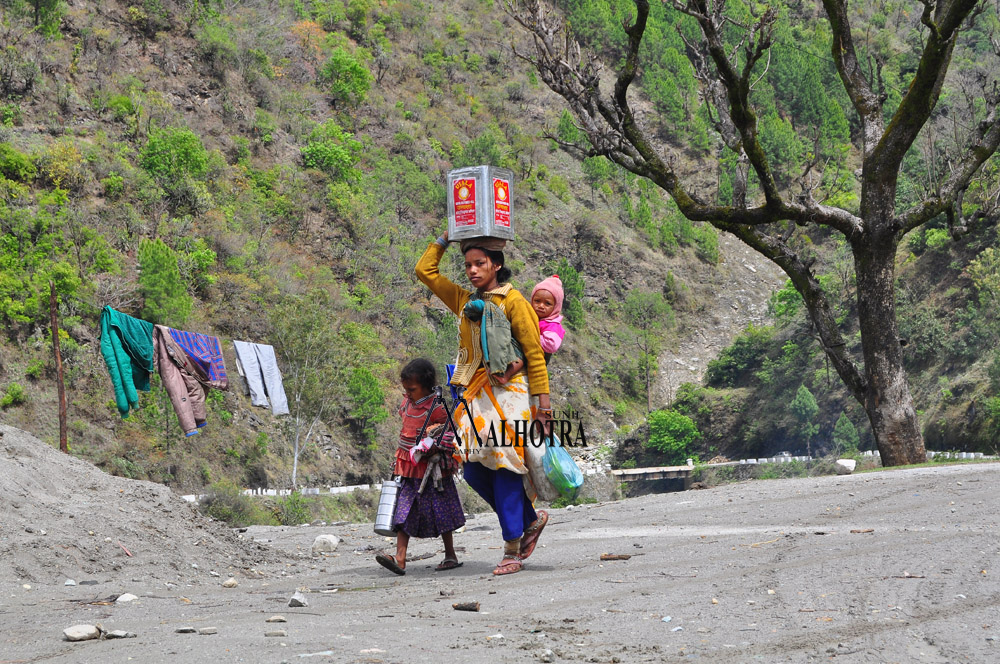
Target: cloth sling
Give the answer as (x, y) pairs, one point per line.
(500, 348)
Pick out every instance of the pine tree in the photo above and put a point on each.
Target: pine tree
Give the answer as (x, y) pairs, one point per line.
(845, 435)
(166, 299)
(804, 409)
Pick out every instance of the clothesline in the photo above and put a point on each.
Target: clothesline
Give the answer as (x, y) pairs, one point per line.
(189, 363)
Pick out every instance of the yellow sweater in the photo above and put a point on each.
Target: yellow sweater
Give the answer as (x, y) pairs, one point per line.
(523, 323)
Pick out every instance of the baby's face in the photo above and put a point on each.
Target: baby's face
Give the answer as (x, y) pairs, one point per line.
(543, 302)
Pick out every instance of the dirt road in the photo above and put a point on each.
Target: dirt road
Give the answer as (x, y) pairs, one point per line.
(884, 567)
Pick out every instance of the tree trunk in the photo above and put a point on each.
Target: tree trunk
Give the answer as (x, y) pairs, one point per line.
(887, 399)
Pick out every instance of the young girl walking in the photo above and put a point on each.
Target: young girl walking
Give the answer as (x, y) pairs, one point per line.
(428, 504)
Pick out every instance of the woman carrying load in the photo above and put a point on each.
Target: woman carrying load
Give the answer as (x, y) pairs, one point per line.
(496, 471)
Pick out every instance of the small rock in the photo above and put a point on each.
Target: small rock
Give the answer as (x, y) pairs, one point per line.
(667, 618)
(277, 632)
(70, 582)
(715, 601)
(325, 544)
(81, 633)
(119, 634)
(230, 583)
(125, 597)
(26, 586)
(546, 656)
(276, 619)
(208, 630)
(770, 591)
(298, 599)
(185, 630)
(677, 629)
(213, 574)
(107, 540)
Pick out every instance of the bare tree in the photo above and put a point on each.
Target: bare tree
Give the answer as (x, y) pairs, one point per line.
(728, 73)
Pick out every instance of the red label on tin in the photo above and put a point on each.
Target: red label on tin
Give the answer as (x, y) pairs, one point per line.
(501, 203)
(464, 196)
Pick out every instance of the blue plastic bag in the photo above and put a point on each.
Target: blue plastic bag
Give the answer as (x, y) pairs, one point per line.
(560, 469)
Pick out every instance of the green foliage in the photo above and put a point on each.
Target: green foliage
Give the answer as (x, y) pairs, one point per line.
(114, 186)
(14, 395)
(166, 299)
(804, 408)
(294, 510)
(16, 165)
(673, 435)
(399, 186)
(367, 401)
(736, 362)
(993, 372)
(937, 239)
(10, 114)
(216, 44)
(845, 435)
(173, 153)
(785, 303)
(35, 368)
(333, 151)
(567, 130)
(559, 186)
(225, 502)
(572, 281)
(488, 148)
(346, 77)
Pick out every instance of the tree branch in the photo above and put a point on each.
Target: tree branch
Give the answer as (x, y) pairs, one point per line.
(984, 141)
(925, 88)
(867, 104)
(817, 304)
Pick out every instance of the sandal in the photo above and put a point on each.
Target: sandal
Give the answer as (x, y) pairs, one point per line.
(389, 562)
(447, 564)
(531, 534)
(509, 565)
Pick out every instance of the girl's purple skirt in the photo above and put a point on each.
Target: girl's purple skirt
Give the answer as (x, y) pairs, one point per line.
(428, 514)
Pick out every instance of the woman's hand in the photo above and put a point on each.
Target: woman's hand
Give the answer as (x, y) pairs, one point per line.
(544, 413)
(444, 236)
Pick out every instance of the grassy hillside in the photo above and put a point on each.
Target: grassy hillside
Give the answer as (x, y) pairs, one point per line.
(290, 158)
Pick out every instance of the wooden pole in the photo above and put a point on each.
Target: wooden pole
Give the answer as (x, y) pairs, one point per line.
(63, 444)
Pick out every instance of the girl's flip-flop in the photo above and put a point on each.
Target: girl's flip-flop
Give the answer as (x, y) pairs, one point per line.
(531, 534)
(388, 562)
(447, 564)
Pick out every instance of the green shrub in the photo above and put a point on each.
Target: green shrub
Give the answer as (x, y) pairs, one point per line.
(332, 150)
(559, 186)
(845, 435)
(174, 152)
(16, 165)
(743, 356)
(216, 44)
(937, 239)
(672, 434)
(346, 78)
(14, 396)
(10, 115)
(226, 502)
(294, 510)
(121, 107)
(114, 186)
(35, 368)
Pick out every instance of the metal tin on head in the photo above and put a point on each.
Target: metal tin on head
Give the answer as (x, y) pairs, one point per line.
(480, 203)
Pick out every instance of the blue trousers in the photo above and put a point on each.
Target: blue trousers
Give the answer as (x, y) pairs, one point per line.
(504, 491)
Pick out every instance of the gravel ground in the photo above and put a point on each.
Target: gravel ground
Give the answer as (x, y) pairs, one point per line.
(881, 567)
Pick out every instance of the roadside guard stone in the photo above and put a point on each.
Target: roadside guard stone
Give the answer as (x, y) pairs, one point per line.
(845, 466)
(325, 544)
(298, 599)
